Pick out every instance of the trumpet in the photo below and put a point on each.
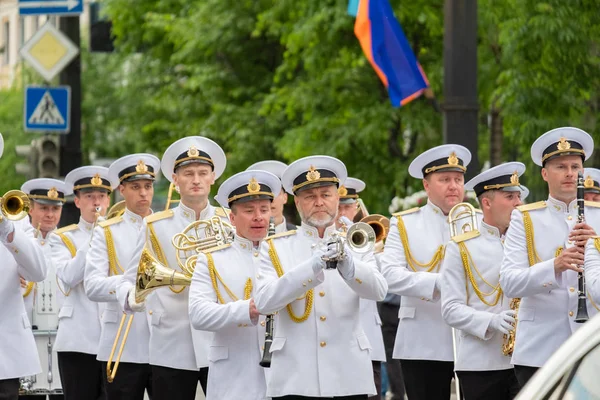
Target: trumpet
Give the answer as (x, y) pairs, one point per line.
(14, 205)
(360, 237)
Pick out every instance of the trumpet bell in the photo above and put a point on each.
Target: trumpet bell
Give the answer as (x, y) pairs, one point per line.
(116, 210)
(361, 237)
(379, 223)
(15, 205)
(152, 275)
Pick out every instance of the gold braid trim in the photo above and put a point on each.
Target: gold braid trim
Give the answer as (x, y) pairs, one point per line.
(467, 260)
(216, 278)
(73, 250)
(308, 300)
(28, 289)
(113, 262)
(160, 254)
(597, 243)
(434, 263)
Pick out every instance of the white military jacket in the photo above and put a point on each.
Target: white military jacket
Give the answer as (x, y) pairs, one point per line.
(327, 354)
(422, 332)
(79, 317)
(235, 352)
(21, 257)
(102, 273)
(371, 323)
(173, 342)
(592, 269)
(479, 347)
(549, 301)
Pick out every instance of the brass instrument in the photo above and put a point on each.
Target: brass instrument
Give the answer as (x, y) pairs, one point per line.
(508, 341)
(96, 220)
(379, 223)
(360, 237)
(458, 214)
(116, 210)
(170, 199)
(14, 205)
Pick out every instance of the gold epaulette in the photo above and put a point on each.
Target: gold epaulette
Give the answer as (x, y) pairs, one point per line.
(533, 206)
(111, 221)
(463, 237)
(67, 228)
(406, 212)
(159, 215)
(217, 248)
(594, 204)
(282, 234)
(222, 212)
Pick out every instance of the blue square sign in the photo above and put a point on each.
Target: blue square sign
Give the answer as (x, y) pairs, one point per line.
(47, 109)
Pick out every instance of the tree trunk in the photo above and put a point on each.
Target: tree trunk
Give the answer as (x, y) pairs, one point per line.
(496, 136)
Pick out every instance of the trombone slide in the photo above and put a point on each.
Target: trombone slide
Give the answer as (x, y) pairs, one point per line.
(111, 371)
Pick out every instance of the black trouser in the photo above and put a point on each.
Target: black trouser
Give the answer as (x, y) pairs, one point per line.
(427, 380)
(9, 389)
(524, 373)
(294, 397)
(389, 326)
(81, 376)
(489, 385)
(177, 384)
(377, 379)
(130, 383)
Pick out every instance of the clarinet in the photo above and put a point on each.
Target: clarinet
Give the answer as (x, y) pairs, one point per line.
(582, 313)
(265, 362)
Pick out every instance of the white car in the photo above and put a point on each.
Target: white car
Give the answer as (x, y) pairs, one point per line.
(573, 372)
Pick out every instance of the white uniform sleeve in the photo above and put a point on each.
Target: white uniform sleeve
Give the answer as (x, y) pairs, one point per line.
(367, 281)
(127, 280)
(32, 265)
(99, 286)
(517, 278)
(401, 280)
(455, 310)
(592, 270)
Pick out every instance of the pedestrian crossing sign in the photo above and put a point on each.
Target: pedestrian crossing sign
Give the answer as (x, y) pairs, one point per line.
(47, 109)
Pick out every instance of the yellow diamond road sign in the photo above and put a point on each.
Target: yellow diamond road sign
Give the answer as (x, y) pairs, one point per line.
(49, 51)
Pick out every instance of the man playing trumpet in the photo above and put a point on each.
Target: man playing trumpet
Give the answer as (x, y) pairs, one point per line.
(79, 318)
(472, 300)
(112, 250)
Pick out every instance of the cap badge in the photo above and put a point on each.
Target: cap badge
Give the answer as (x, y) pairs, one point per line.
(313, 174)
(342, 191)
(96, 180)
(193, 152)
(141, 167)
(589, 182)
(53, 193)
(563, 144)
(253, 186)
(453, 160)
(514, 178)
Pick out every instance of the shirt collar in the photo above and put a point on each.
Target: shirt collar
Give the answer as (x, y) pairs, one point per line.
(313, 233)
(132, 217)
(435, 210)
(559, 206)
(190, 215)
(243, 243)
(84, 225)
(489, 230)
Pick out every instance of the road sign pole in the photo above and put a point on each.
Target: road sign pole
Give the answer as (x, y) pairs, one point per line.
(70, 151)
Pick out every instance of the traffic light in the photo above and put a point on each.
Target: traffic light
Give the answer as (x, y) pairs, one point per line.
(30, 153)
(48, 161)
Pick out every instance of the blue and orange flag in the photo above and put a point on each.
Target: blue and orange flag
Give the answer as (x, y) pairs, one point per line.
(387, 49)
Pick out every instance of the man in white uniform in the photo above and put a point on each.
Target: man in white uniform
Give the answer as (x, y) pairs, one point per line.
(22, 257)
(543, 248)
(320, 349)
(411, 262)
(79, 318)
(178, 353)
(276, 168)
(472, 300)
(591, 184)
(112, 249)
(222, 289)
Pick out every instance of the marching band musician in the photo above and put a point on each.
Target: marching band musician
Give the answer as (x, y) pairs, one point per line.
(591, 184)
(369, 315)
(178, 353)
(79, 318)
(472, 300)
(276, 168)
(47, 198)
(112, 250)
(22, 258)
(411, 262)
(320, 349)
(222, 288)
(544, 246)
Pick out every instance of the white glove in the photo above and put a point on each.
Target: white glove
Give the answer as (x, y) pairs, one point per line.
(134, 305)
(317, 262)
(503, 322)
(346, 265)
(6, 228)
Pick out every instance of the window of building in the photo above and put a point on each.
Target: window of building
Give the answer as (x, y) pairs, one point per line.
(6, 45)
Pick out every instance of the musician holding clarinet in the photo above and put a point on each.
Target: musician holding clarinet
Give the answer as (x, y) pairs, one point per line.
(544, 252)
(222, 290)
